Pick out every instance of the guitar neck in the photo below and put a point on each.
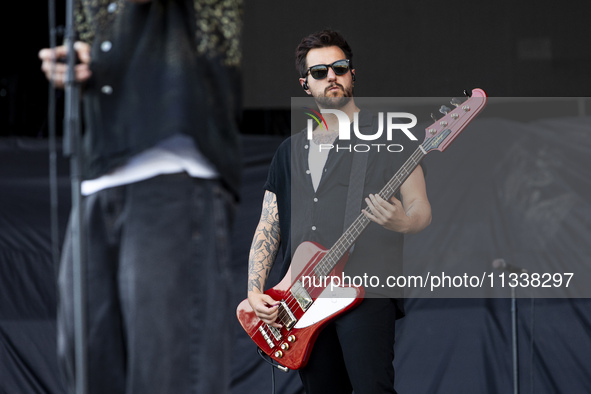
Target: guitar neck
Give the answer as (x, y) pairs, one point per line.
(346, 241)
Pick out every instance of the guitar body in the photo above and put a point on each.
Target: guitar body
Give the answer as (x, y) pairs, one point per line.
(303, 313)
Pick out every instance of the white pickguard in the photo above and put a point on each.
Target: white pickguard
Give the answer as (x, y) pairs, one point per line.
(328, 303)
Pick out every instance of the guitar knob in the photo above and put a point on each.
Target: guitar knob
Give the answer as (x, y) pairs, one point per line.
(291, 338)
(285, 346)
(278, 354)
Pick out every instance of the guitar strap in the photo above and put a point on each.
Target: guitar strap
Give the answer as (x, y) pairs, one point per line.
(356, 187)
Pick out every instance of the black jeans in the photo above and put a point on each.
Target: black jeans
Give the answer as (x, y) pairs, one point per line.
(355, 352)
(158, 289)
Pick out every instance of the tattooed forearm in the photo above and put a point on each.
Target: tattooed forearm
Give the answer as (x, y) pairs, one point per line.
(265, 244)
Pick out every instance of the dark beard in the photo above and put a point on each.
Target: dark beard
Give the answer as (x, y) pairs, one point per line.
(334, 102)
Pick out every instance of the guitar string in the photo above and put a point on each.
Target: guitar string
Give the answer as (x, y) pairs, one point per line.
(340, 247)
(329, 261)
(389, 188)
(332, 257)
(350, 236)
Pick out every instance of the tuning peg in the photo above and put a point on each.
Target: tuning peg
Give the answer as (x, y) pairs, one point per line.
(444, 110)
(467, 93)
(433, 117)
(455, 101)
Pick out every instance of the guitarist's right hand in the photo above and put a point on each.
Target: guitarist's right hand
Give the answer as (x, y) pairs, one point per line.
(265, 307)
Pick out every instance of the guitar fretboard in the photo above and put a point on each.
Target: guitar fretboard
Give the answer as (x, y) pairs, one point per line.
(344, 243)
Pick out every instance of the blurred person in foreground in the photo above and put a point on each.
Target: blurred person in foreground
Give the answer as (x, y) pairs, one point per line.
(161, 171)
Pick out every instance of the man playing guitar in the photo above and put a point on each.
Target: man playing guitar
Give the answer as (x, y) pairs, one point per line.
(305, 200)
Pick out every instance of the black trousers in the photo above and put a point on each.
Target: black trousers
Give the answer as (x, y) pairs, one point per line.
(355, 352)
(159, 301)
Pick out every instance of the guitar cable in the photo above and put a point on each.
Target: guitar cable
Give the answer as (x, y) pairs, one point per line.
(270, 361)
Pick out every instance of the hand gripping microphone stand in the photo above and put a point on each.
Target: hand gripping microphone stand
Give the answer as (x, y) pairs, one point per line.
(71, 147)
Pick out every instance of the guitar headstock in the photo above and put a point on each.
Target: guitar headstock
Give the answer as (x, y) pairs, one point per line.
(441, 133)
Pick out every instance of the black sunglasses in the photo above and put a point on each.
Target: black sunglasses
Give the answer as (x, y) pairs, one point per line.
(320, 71)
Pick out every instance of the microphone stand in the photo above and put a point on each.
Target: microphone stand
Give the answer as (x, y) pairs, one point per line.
(501, 265)
(514, 342)
(71, 147)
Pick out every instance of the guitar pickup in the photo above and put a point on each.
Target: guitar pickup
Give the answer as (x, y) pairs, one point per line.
(301, 295)
(275, 332)
(288, 319)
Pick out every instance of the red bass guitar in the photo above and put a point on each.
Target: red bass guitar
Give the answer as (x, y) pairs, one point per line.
(305, 307)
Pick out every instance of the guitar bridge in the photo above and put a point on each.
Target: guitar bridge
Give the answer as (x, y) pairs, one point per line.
(301, 295)
(266, 336)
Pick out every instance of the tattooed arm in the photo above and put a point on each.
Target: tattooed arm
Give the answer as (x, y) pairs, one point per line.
(263, 251)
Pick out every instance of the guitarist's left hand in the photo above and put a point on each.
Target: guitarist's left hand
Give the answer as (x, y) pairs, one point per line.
(388, 214)
(410, 215)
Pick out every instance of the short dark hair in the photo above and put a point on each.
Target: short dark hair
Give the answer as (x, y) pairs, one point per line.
(321, 39)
